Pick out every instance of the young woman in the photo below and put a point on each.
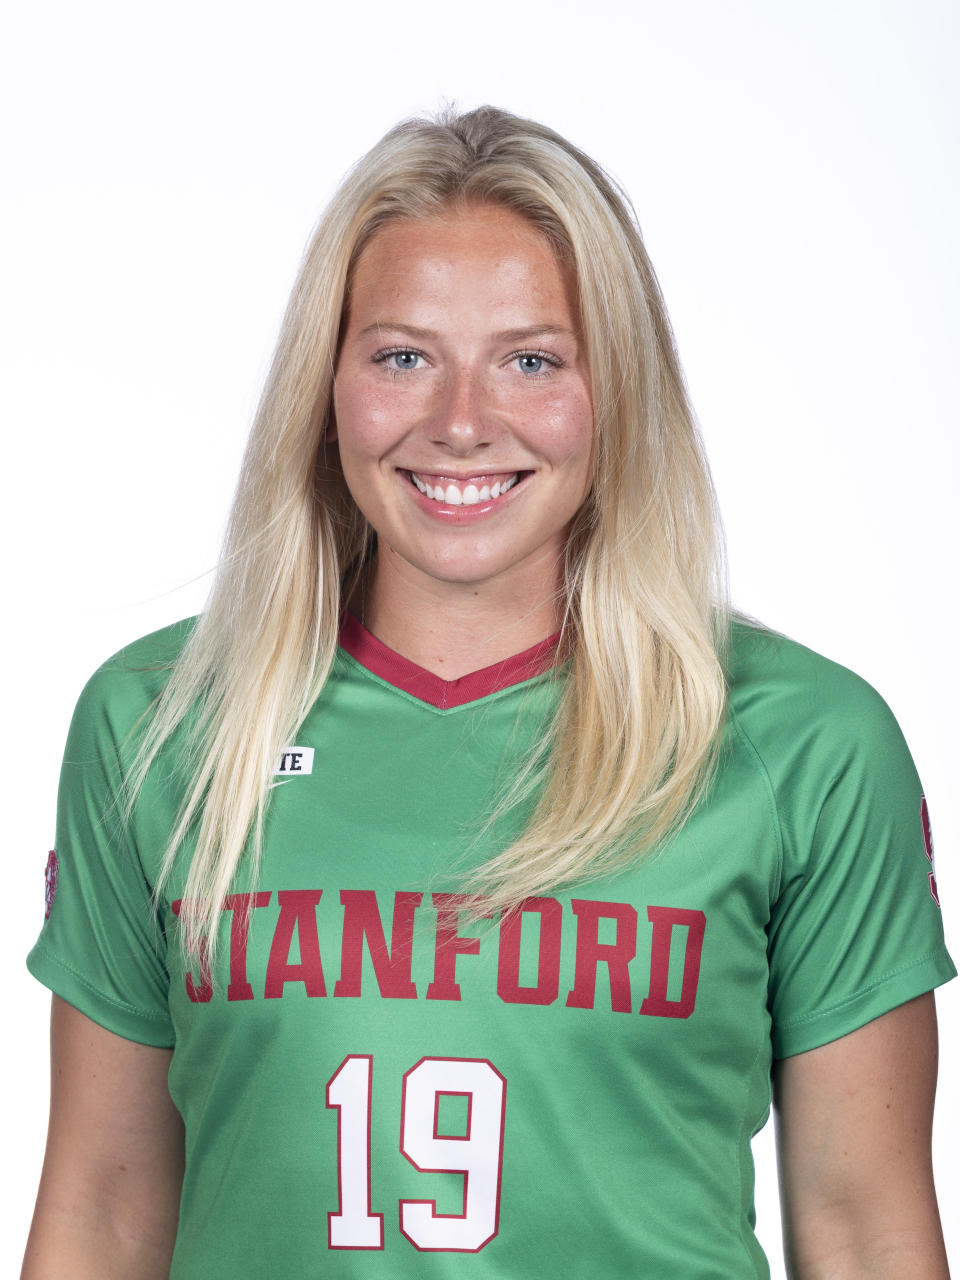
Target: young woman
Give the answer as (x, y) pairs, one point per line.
(443, 901)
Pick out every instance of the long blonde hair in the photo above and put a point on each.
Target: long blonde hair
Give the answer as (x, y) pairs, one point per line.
(632, 742)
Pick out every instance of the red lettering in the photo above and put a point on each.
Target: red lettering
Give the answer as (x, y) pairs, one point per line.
(241, 904)
(202, 993)
(591, 952)
(298, 910)
(361, 920)
(663, 919)
(548, 957)
(449, 945)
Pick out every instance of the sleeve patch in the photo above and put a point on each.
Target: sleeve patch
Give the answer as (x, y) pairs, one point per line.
(928, 848)
(50, 878)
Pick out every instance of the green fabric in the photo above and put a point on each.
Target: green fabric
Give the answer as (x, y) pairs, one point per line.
(628, 1105)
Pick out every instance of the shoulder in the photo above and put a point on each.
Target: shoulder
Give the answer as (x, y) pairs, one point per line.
(828, 745)
(145, 661)
(124, 687)
(783, 695)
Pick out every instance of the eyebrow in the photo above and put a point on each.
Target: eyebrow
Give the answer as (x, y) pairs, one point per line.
(506, 335)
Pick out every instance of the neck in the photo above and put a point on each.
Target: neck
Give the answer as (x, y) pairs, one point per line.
(453, 628)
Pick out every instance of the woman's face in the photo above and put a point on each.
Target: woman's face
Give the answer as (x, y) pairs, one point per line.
(462, 401)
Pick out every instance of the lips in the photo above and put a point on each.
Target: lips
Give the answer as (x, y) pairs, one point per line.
(466, 491)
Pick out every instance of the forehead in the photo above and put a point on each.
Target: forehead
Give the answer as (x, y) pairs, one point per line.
(484, 255)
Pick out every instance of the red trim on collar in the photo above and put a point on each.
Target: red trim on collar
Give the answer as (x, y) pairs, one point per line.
(420, 683)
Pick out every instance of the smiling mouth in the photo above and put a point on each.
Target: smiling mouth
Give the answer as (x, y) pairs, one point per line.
(466, 493)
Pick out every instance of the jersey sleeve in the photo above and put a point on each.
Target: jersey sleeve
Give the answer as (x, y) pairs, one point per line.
(101, 947)
(855, 928)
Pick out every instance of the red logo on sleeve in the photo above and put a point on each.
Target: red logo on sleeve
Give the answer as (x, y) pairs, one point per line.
(51, 876)
(928, 848)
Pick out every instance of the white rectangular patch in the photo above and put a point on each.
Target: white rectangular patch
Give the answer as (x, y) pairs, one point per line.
(294, 761)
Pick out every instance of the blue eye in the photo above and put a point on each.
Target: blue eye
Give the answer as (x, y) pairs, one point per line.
(399, 359)
(536, 364)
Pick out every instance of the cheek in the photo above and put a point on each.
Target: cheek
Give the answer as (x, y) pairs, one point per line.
(366, 419)
(574, 447)
(568, 434)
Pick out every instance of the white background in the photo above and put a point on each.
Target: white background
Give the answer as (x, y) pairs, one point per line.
(794, 170)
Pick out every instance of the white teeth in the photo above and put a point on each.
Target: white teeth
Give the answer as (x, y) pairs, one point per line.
(469, 496)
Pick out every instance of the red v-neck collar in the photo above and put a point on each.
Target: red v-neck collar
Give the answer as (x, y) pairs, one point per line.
(403, 674)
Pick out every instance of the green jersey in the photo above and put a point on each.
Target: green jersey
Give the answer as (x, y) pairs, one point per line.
(375, 1083)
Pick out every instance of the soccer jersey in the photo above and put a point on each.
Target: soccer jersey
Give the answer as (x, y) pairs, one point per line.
(376, 1084)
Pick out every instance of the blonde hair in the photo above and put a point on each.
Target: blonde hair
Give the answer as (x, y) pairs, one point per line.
(631, 745)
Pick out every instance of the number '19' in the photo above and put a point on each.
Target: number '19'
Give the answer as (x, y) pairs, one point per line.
(477, 1155)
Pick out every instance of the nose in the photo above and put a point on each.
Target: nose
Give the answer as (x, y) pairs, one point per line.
(461, 420)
